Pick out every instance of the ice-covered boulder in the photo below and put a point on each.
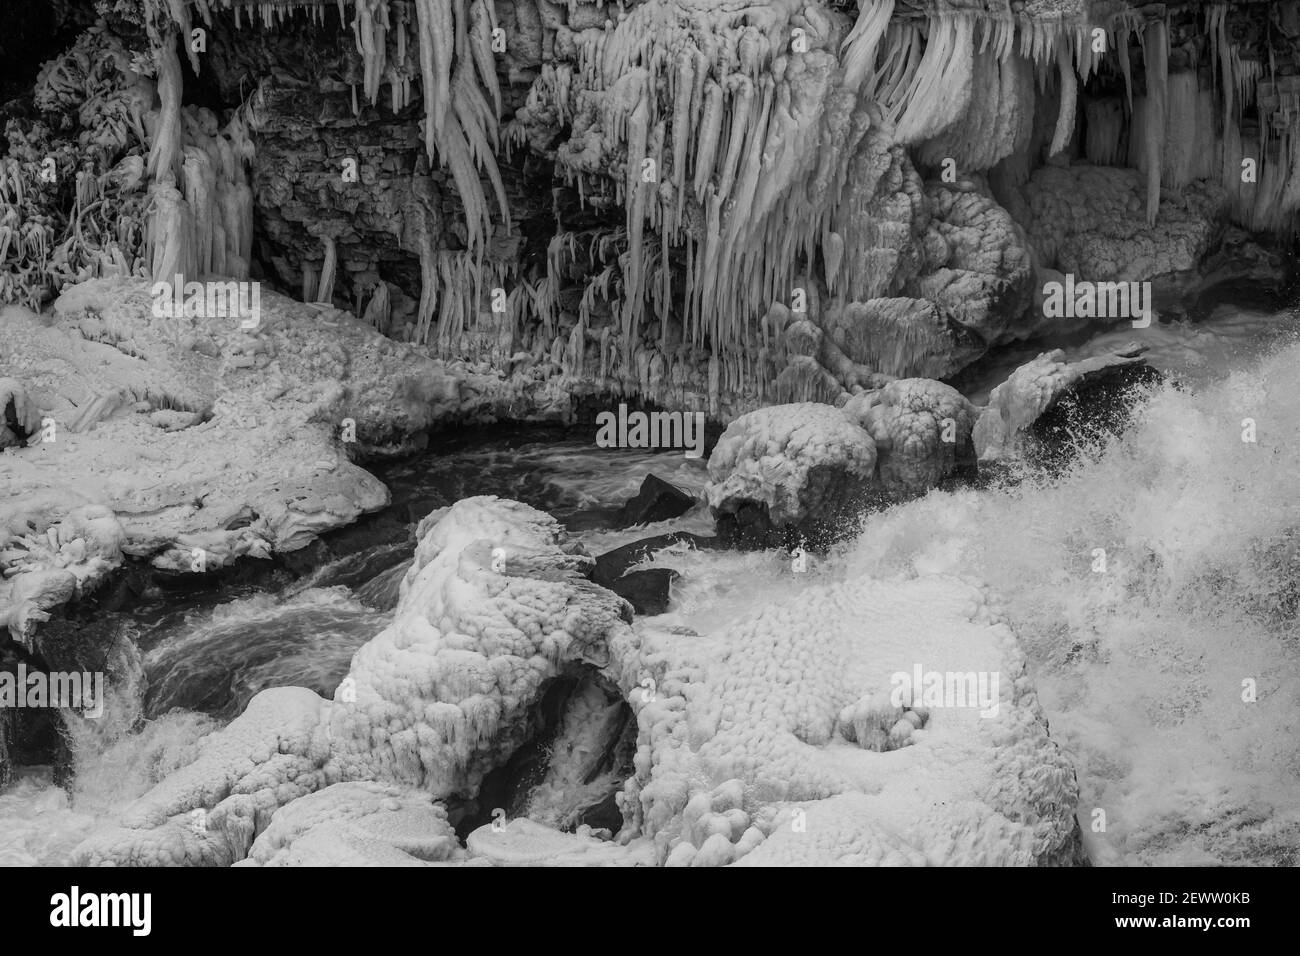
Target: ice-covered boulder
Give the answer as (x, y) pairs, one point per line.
(523, 842)
(208, 441)
(789, 472)
(46, 563)
(921, 429)
(208, 811)
(780, 740)
(1036, 387)
(495, 606)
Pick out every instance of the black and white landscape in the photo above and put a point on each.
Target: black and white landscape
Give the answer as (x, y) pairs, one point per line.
(656, 433)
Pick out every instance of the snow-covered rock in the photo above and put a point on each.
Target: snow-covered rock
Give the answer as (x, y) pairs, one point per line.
(1031, 390)
(208, 812)
(495, 606)
(206, 440)
(784, 721)
(921, 429)
(1091, 221)
(523, 842)
(358, 824)
(748, 752)
(789, 469)
(55, 562)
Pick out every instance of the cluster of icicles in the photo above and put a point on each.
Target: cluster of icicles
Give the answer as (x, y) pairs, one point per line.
(456, 64)
(748, 162)
(201, 204)
(748, 167)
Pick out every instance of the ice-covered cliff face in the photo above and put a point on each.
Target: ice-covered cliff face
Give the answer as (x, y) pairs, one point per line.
(711, 204)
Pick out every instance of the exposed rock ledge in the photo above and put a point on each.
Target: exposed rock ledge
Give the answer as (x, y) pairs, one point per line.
(172, 437)
(773, 741)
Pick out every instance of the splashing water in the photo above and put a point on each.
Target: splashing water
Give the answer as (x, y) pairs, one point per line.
(217, 661)
(1150, 586)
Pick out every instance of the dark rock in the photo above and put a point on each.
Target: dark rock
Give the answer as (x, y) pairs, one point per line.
(645, 590)
(1097, 408)
(658, 500)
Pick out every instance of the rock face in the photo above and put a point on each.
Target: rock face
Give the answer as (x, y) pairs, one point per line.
(763, 743)
(843, 182)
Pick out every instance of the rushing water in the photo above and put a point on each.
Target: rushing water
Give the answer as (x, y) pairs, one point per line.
(1142, 666)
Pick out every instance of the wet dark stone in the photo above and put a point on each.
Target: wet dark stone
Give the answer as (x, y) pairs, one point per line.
(1099, 407)
(645, 590)
(836, 501)
(657, 500)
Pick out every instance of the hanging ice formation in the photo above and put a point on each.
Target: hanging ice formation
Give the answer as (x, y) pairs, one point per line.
(745, 142)
(452, 54)
(746, 156)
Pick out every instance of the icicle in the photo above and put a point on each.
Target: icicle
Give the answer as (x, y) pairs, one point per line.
(742, 109)
(710, 131)
(715, 374)
(480, 35)
(1156, 43)
(682, 119)
(1121, 42)
(379, 309)
(165, 152)
(325, 291)
(941, 87)
(1069, 100)
(858, 51)
(833, 253)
